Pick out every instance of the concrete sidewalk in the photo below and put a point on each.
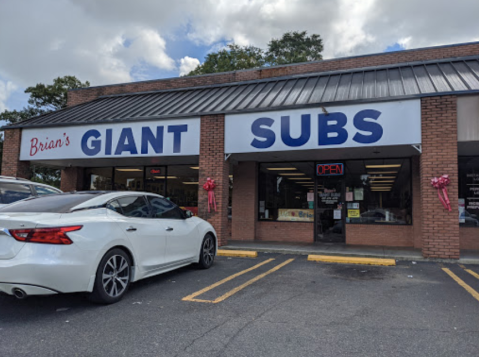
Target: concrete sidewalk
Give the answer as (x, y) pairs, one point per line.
(467, 257)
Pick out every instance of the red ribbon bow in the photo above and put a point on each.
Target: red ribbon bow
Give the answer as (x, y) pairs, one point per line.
(209, 186)
(440, 184)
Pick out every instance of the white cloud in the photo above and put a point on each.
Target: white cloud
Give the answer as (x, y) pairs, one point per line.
(187, 64)
(6, 89)
(113, 41)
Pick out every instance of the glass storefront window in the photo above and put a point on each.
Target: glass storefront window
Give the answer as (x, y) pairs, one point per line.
(128, 179)
(468, 191)
(283, 192)
(155, 179)
(378, 191)
(182, 186)
(99, 179)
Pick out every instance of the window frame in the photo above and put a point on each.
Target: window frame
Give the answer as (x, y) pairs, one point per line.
(121, 208)
(32, 190)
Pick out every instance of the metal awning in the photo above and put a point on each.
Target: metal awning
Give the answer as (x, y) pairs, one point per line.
(383, 83)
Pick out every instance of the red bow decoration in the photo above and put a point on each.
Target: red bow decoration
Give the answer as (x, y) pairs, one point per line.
(209, 186)
(441, 183)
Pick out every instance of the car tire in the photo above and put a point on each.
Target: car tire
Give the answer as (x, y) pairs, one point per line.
(207, 252)
(113, 277)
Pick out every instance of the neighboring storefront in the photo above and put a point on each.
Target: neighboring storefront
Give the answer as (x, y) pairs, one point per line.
(333, 157)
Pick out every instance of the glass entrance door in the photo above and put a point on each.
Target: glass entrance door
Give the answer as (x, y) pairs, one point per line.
(330, 209)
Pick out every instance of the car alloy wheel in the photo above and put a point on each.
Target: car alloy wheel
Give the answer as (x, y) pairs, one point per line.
(207, 254)
(116, 275)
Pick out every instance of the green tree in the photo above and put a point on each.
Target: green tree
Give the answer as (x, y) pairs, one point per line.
(43, 99)
(292, 47)
(233, 58)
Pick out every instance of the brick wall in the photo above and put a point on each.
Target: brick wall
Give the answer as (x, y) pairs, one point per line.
(298, 232)
(212, 164)
(374, 234)
(469, 238)
(440, 228)
(245, 201)
(11, 166)
(89, 94)
(72, 179)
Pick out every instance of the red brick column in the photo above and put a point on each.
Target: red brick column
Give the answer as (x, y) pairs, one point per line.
(11, 164)
(245, 201)
(72, 179)
(440, 228)
(213, 164)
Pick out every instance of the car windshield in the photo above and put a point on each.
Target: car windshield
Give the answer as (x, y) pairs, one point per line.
(61, 203)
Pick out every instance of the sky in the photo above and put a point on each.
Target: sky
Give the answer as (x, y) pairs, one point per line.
(118, 41)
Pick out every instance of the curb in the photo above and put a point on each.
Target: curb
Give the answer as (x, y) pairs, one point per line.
(237, 253)
(351, 260)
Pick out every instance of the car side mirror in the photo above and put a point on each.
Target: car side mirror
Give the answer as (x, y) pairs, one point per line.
(188, 213)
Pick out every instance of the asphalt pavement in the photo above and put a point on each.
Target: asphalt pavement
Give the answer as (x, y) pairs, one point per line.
(273, 305)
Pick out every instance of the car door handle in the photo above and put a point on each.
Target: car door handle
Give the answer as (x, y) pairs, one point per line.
(131, 229)
(168, 229)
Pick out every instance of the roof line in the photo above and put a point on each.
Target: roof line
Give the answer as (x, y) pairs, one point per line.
(288, 65)
(252, 110)
(301, 75)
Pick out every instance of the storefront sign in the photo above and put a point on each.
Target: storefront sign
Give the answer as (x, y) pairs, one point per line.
(152, 138)
(329, 169)
(354, 213)
(372, 124)
(295, 215)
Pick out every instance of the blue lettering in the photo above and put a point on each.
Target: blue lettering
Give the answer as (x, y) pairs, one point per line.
(147, 137)
(375, 129)
(108, 141)
(126, 142)
(257, 128)
(95, 144)
(177, 130)
(305, 131)
(324, 128)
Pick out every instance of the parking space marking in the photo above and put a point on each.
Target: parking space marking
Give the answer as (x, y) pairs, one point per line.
(231, 277)
(473, 273)
(458, 280)
(238, 288)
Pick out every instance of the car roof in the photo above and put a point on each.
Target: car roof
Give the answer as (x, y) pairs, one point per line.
(11, 179)
(102, 197)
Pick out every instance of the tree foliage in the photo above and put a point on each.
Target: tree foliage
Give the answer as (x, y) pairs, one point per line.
(43, 99)
(292, 47)
(233, 58)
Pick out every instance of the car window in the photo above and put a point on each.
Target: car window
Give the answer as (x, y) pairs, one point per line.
(114, 206)
(162, 208)
(61, 203)
(134, 206)
(43, 191)
(13, 192)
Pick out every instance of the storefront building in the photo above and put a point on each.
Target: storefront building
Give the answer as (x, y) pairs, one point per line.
(336, 151)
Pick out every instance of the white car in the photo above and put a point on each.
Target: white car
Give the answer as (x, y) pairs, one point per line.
(13, 189)
(97, 242)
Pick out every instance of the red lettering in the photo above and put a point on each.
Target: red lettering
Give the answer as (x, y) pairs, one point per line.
(59, 143)
(68, 141)
(51, 145)
(33, 146)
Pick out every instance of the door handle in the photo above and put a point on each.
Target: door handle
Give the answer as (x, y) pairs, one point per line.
(169, 229)
(131, 229)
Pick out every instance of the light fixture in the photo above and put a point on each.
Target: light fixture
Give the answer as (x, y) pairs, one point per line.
(382, 166)
(292, 174)
(195, 167)
(281, 168)
(190, 183)
(381, 172)
(130, 170)
(230, 176)
(381, 181)
(299, 178)
(381, 190)
(382, 177)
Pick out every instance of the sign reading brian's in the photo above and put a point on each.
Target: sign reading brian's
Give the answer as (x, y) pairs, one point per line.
(372, 124)
(152, 138)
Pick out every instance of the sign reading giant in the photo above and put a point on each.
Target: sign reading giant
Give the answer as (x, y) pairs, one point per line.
(373, 124)
(152, 138)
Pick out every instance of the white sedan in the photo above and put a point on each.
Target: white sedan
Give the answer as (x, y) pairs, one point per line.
(97, 242)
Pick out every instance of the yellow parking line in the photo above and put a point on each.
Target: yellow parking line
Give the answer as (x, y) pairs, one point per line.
(208, 288)
(458, 280)
(473, 273)
(249, 282)
(351, 260)
(237, 253)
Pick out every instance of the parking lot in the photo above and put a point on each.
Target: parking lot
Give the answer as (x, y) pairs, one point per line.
(273, 305)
